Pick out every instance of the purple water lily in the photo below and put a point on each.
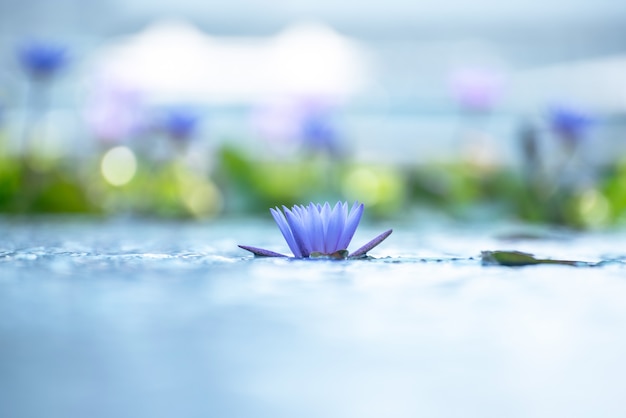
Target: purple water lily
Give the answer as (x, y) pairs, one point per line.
(319, 231)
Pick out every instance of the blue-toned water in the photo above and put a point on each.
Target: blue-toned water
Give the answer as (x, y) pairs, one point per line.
(129, 318)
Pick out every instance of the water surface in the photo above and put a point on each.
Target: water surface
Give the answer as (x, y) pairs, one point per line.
(130, 318)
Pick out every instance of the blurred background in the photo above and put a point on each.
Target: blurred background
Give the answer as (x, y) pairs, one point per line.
(199, 109)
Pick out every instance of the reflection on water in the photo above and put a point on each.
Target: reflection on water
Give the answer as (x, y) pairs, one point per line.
(142, 319)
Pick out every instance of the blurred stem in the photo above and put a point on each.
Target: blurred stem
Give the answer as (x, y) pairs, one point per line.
(36, 108)
(470, 121)
(330, 174)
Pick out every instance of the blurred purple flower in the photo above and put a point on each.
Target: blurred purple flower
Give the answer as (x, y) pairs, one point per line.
(180, 123)
(319, 231)
(318, 133)
(42, 59)
(305, 122)
(568, 122)
(476, 89)
(116, 112)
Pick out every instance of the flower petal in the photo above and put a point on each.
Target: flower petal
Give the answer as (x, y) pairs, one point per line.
(286, 231)
(351, 224)
(315, 229)
(299, 232)
(301, 213)
(336, 221)
(325, 212)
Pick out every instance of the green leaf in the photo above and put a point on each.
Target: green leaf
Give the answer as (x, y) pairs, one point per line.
(518, 258)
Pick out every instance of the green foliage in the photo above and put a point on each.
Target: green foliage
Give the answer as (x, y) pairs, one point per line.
(251, 185)
(24, 188)
(457, 188)
(10, 183)
(241, 183)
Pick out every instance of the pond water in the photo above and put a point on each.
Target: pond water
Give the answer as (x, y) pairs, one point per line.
(130, 318)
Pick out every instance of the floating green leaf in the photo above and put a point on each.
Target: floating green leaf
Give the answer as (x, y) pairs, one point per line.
(518, 258)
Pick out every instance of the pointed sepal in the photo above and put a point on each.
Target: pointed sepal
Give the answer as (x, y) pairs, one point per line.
(260, 252)
(362, 252)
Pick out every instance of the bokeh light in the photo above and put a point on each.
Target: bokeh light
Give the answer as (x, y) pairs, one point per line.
(118, 166)
(593, 208)
(379, 188)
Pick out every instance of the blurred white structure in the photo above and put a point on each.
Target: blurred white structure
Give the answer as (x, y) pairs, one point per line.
(174, 61)
(393, 58)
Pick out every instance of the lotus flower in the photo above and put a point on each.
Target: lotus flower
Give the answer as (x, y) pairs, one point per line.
(319, 231)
